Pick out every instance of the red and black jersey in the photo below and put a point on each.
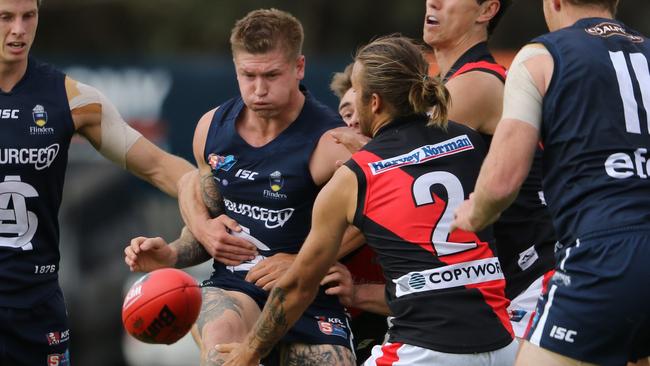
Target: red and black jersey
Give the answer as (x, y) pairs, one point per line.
(445, 289)
(524, 233)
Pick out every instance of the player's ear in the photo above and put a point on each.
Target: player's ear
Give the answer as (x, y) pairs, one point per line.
(557, 4)
(489, 10)
(300, 67)
(376, 103)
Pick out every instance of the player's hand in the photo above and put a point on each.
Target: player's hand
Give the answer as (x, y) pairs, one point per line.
(341, 284)
(215, 236)
(352, 139)
(267, 272)
(467, 218)
(237, 354)
(147, 254)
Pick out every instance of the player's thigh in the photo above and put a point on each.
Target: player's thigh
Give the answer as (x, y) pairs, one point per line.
(531, 355)
(226, 316)
(588, 314)
(299, 354)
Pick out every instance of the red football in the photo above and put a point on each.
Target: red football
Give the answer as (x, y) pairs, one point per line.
(161, 306)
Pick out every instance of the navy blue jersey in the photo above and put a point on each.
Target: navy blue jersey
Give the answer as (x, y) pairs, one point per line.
(596, 128)
(268, 190)
(524, 233)
(36, 127)
(445, 289)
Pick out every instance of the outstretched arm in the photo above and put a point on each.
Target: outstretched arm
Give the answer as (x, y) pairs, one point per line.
(515, 140)
(97, 119)
(333, 210)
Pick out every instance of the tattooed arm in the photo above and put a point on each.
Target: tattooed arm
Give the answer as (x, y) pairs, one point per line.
(189, 252)
(333, 211)
(203, 209)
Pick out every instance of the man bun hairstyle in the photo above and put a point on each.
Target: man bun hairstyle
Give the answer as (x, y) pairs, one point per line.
(265, 30)
(394, 68)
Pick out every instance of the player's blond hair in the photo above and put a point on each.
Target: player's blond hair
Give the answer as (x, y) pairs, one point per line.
(265, 30)
(395, 69)
(341, 82)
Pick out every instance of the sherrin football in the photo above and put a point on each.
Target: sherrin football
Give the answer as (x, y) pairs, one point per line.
(161, 306)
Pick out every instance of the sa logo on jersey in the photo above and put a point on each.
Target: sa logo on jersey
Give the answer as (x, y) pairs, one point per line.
(221, 162)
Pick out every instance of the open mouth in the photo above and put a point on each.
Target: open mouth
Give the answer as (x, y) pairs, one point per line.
(16, 45)
(431, 20)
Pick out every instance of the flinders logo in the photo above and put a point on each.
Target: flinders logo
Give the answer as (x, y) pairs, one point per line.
(40, 120)
(276, 182)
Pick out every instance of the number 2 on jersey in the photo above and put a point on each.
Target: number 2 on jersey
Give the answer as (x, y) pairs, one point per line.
(455, 196)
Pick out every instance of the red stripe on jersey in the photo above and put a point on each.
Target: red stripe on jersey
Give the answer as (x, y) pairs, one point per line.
(389, 200)
(480, 65)
(495, 295)
(389, 356)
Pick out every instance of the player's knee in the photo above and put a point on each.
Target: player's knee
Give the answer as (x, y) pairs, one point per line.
(225, 329)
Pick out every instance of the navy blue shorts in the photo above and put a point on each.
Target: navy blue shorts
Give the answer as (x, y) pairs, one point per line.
(35, 336)
(324, 322)
(597, 308)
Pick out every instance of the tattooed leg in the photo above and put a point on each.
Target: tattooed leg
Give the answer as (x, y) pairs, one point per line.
(225, 317)
(298, 354)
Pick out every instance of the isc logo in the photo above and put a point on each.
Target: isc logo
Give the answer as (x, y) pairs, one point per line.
(563, 334)
(9, 113)
(246, 174)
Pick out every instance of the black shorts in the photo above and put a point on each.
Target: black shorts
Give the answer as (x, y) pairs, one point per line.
(596, 308)
(324, 322)
(369, 331)
(35, 336)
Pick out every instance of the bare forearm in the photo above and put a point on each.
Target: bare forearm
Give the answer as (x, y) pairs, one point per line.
(174, 169)
(352, 240)
(283, 308)
(166, 176)
(190, 203)
(189, 252)
(371, 297)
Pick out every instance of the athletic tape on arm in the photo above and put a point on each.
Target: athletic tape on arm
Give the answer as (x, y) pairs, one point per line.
(521, 98)
(117, 136)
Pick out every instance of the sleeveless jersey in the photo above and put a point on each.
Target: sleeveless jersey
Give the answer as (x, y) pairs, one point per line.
(36, 126)
(524, 233)
(445, 290)
(268, 190)
(596, 128)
